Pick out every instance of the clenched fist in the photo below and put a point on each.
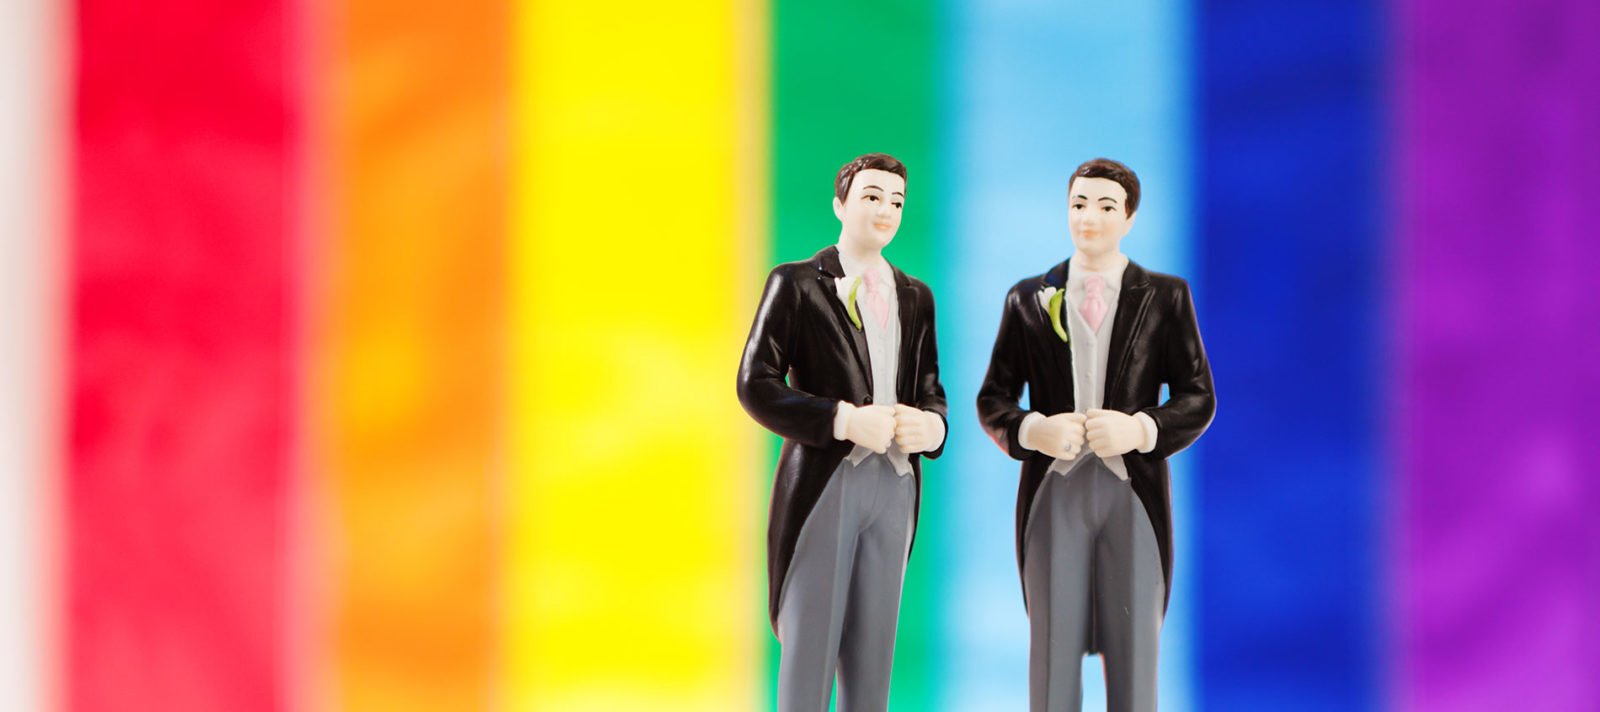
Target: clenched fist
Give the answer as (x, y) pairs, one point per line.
(917, 430)
(871, 426)
(1113, 432)
(1059, 436)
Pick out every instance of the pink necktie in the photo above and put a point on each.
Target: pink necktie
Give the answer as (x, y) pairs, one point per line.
(876, 302)
(1094, 304)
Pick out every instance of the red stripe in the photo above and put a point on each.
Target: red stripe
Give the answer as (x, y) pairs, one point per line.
(181, 355)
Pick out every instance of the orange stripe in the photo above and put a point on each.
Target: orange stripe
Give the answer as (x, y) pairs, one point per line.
(406, 358)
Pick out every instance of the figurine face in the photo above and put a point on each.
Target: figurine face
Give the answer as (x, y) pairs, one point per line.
(871, 211)
(1097, 215)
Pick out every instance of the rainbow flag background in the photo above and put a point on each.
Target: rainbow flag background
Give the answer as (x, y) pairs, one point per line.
(379, 355)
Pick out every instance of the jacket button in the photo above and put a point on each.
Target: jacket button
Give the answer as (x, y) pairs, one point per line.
(869, 400)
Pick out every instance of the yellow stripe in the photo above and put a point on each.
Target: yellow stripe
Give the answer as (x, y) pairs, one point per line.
(631, 544)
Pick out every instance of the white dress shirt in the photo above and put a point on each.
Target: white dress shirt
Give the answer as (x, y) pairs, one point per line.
(883, 351)
(1090, 350)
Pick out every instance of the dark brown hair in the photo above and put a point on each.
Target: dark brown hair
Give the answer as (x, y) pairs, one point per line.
(879, 161)
(1112, 170)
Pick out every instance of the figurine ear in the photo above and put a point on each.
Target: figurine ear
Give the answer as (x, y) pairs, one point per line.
(1131, 218)
(838, 208)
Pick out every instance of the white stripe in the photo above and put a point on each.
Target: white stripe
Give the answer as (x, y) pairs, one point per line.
(30, 175)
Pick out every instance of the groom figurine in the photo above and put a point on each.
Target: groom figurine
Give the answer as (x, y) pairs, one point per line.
(841, 362)
(1093, 340)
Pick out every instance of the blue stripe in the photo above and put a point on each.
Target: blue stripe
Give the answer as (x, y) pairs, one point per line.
(1042, 87)
(1291, 190)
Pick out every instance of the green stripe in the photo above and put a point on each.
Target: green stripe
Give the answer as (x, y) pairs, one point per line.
(852, 78)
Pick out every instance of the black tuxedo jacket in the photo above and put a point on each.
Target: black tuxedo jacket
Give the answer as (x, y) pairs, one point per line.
(802, 357)
(1154, 340)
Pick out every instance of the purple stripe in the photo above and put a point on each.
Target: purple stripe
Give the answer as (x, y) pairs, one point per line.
(1498, 566)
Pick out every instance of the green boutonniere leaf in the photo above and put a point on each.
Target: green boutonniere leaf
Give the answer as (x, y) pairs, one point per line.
(850, 304)
(1055, 314)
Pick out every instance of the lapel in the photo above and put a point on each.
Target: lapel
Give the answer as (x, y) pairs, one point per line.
(1060, 350)
(827, 262)
(1131, 305)
(906, 297)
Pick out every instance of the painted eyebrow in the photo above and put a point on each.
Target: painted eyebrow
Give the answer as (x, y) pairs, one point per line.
(1085, 197)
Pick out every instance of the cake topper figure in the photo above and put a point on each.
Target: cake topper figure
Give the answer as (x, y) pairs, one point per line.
(841, 362)
(1093, 340)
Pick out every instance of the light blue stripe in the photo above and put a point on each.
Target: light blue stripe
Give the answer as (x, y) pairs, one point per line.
(1037, 88)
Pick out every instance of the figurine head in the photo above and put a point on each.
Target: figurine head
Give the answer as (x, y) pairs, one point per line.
(868, 195)
(1101, 201)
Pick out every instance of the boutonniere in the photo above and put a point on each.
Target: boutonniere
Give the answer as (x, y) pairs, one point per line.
(846, 288)
(1050, 299)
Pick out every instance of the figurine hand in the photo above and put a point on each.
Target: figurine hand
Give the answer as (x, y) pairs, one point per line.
(1059, 436)
(916, 430)
(1113, 432)
(872, 427)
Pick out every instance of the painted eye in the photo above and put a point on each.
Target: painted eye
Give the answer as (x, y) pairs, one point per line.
(1107, 208)
(899, 205)
(872, 198)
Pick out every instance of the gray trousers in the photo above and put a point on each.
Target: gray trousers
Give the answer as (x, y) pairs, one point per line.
(841, 596)
(1092, 568)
